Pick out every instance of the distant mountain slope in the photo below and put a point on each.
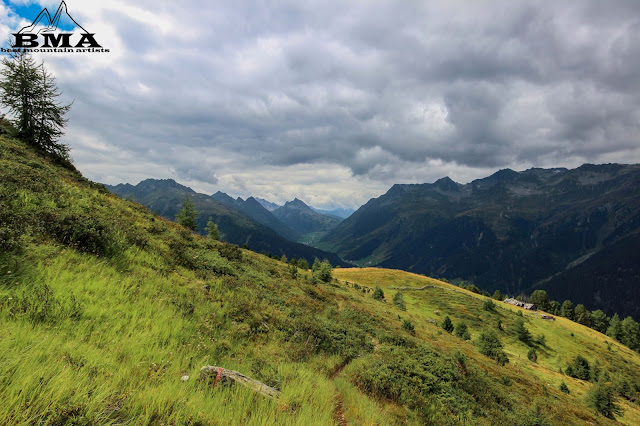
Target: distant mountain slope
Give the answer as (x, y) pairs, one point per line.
(303, 219)
(267, 204)
(165, 198)
(252, 208)
(339, 212)
(509, 231)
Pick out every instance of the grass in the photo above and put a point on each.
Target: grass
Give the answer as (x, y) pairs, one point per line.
(565, 339)
(104, 307)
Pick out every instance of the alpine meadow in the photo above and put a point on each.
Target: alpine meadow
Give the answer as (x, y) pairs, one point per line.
(236, 226)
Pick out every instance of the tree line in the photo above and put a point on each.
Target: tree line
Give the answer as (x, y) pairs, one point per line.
(625, 331)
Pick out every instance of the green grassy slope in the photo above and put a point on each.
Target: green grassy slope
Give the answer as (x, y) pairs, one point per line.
(104, 307)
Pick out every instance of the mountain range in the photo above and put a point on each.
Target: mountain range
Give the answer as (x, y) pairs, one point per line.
(575, 233)
(240, 222)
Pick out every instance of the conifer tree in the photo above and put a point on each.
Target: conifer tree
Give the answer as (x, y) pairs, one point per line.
(212, 230)
(447, 325)
(188, 215)
(30, 94)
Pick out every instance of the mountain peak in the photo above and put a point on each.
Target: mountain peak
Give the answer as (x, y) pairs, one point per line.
(446, 184)
(162, 184)
(298, 203)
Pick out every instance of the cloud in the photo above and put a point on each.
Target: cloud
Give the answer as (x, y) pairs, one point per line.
(278, 99)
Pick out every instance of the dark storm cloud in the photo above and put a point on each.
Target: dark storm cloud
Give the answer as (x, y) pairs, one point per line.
(392, 91)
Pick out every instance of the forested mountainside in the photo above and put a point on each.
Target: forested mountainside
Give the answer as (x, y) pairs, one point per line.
(570, 231)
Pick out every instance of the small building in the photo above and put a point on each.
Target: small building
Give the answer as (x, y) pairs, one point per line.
(514, 302)
(527, 306)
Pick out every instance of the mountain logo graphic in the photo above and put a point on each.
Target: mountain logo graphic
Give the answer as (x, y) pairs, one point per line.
(51, 23)
(52, 32)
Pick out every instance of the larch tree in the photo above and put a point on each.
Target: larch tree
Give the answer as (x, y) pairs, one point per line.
(31, 95)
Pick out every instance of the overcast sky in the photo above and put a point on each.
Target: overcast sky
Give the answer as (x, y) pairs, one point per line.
(334, 101)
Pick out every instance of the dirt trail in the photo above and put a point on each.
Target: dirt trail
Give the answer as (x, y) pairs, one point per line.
(338, 412)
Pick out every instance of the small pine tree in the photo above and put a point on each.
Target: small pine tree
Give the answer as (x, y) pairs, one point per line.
(303, 264)
(187, 215)
(212, 230)
(293, 271)
(408, 326)
(521, 331)
(564, 388)
(447, 325)
(532, 355)
(497, 295)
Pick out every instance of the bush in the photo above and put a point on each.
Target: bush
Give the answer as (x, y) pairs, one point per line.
(579, 369)
(322, 270)
(473, 288)
(408, 376)
(230, 251)
(489, 306)
(398, 300)
(378, 294)
(462, 331)
(87, 233)
(602, 400)
(532, 355)
(564, 388)
(489, 344)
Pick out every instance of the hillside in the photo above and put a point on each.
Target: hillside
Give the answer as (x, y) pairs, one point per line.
(165, 197)
(303, 219)
(511, 231)
(109, 312)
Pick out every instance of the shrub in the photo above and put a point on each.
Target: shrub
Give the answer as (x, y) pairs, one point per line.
(408, 376)
(564, 388)
(489, 306)
(532, 355)
(489, 344)
(230, 251)
(462, 331)
(378, 294)
(473, 288)
(87, 233)
(579, 368)
(322, 270)
(398, 300)
(293, 271)
(602, 400)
